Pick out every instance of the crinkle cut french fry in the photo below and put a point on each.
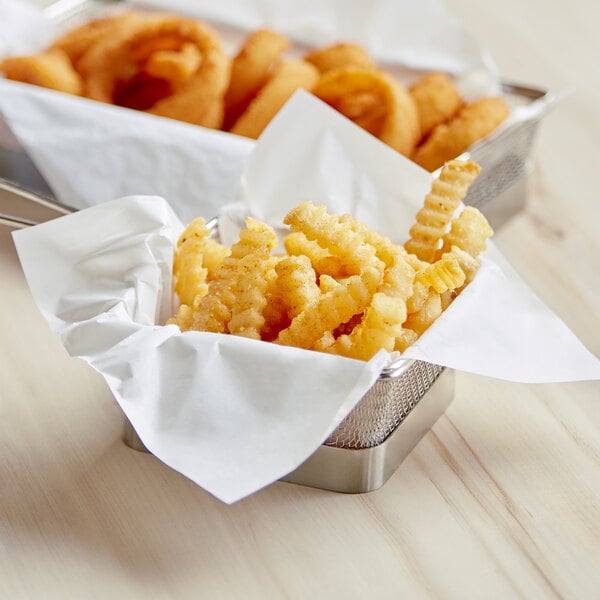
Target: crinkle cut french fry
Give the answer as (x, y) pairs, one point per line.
(443, 275)
(382, 321)
(324, 263)
(440, 204)
(297, 284)
(251, 282)
(331, 309)
(468, 263)
(334, 235)
(469, 232)
(215, 309)
(188, 268)
(423, 318)
(378, 329)
(374, 295)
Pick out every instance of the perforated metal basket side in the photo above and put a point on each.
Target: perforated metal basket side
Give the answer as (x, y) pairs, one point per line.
(503, 160)
(505, 157)
(383, 408)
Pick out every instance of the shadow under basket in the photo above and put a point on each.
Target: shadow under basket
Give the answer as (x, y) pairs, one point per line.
(367, 447)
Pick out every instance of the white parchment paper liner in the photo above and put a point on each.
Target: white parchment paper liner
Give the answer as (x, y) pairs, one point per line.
(234, 414)
(231, 414)
(90, 152)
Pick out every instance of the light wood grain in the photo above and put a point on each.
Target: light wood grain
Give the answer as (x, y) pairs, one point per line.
(500, 500)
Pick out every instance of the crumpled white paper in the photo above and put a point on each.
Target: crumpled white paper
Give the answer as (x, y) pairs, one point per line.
(234, 414)
(23, 28)
(337, 164)
(231, 414)
(89, 152)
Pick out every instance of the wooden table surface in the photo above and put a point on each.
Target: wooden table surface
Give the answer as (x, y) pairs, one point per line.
(501, 499)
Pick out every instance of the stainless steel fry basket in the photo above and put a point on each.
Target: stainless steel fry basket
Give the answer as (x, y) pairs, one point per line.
(370, 443)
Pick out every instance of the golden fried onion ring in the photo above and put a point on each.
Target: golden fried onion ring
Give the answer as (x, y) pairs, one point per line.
(340, 55)
(122, 58)
(174, 66)
(77, 41)
(289, 76)
(437, 100)
(250, 70)
(374, 101)
(51, 70)
(472, 123)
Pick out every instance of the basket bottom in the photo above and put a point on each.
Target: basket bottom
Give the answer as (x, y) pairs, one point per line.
(354, 471)
(358, 471)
